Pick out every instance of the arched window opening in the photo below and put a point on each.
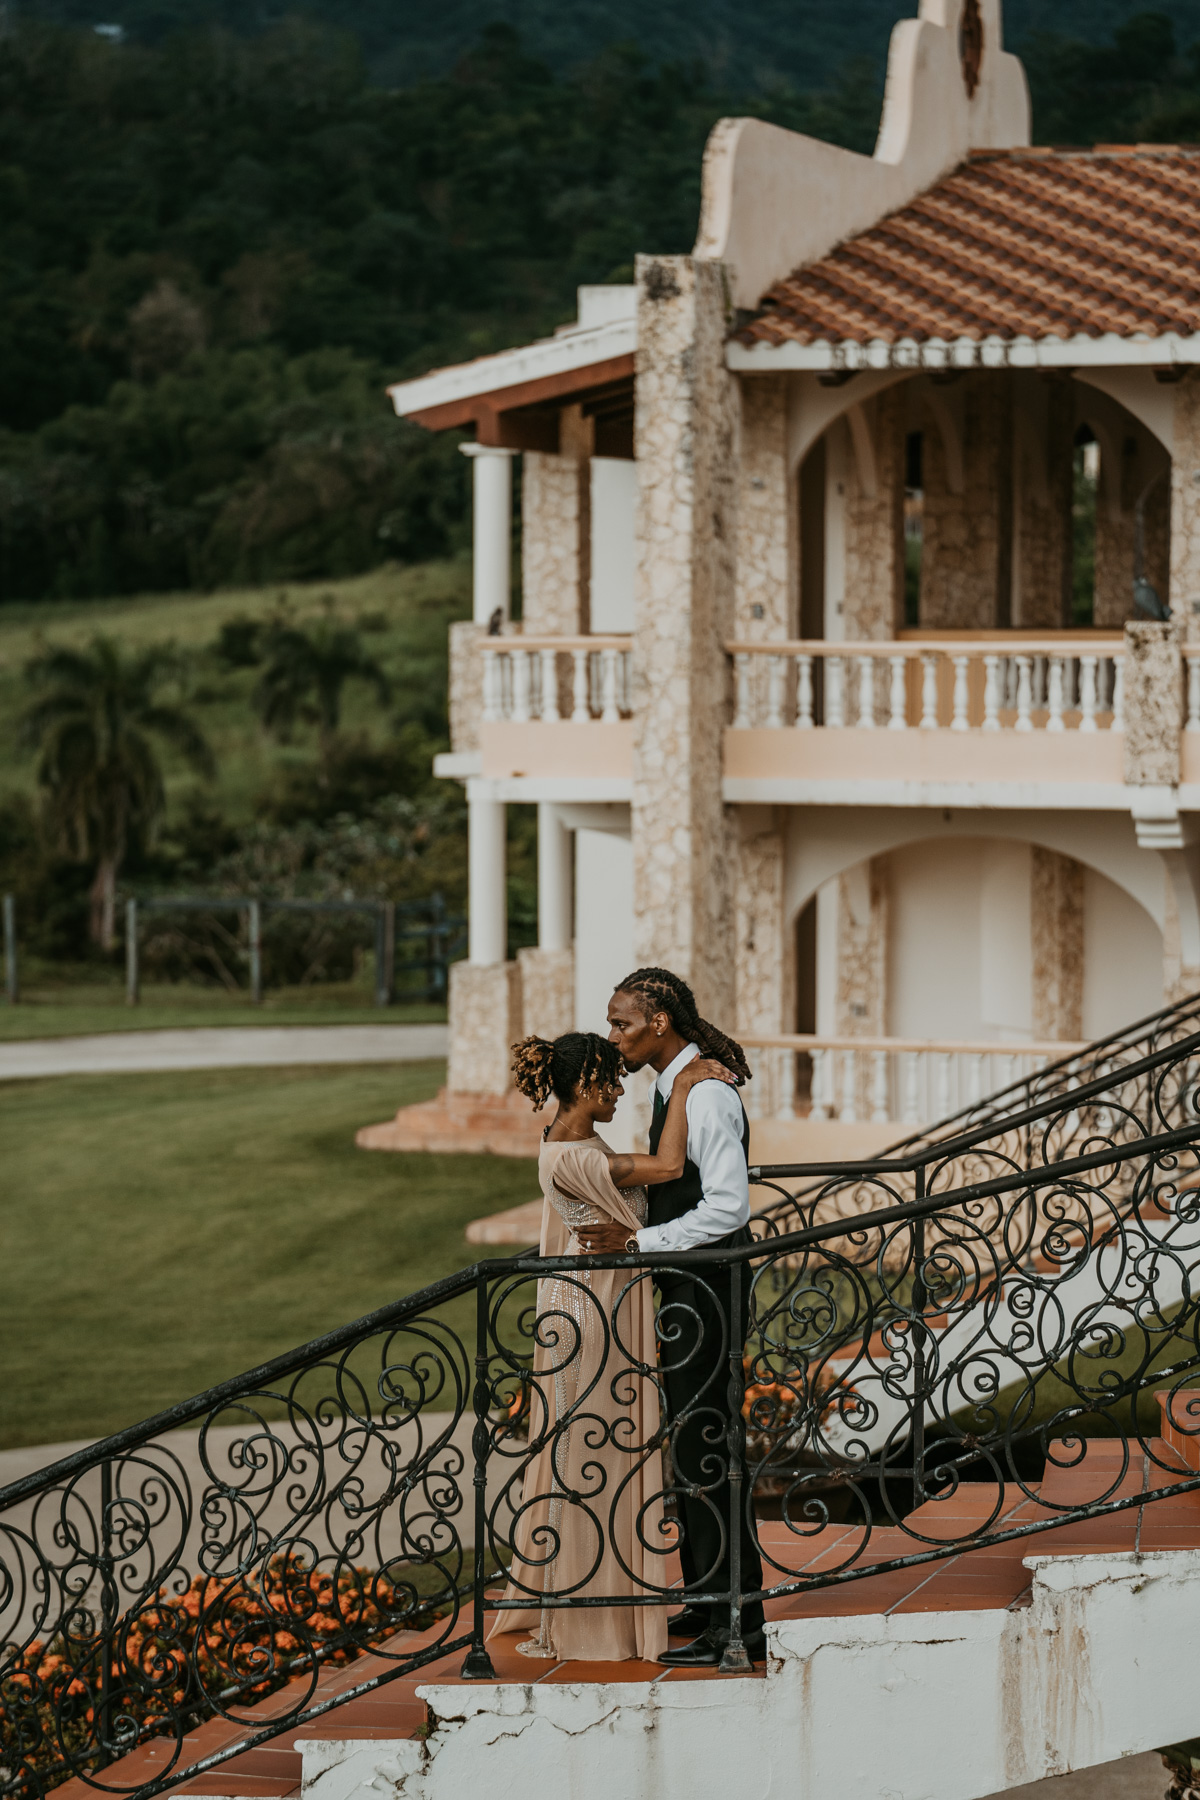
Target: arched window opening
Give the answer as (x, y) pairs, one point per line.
(1083, 527)
(914, 524)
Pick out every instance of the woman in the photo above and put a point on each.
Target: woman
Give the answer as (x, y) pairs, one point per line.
(590, 1517)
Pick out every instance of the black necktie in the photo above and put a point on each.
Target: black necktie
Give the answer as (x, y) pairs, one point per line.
(660, 1107)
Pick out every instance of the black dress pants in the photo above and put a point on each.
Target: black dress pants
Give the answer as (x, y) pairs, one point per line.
(694, 1360)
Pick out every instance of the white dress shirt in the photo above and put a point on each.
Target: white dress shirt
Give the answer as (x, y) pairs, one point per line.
(714, 1144)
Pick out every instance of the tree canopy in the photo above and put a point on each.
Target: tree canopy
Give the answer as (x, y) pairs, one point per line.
(215, 250)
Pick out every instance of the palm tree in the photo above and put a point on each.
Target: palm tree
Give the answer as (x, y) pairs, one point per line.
(306, 671)
(93, 724)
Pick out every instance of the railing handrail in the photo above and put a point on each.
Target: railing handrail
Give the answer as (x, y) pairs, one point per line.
(816, 1040)
(608, 640)
(1000, 645)
(452, 1286)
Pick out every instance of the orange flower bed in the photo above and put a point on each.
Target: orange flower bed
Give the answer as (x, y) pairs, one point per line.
(230, 1641)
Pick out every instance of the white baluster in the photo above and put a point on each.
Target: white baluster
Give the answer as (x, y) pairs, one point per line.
(549, 660)
(580, 710)
(835, 692)
(804, 693)
(819, 1108)
(898, 694)
(879, 1086)
(866, 693)
(491, 686)
(742, 718)
(611, 712)
(1024, 694)
(519, 660)
(625, 666)
(991, 693)
(1088, 666)
(1118, 698)
(941, 1099)
(776, 671)
(849, 1106)
(912, 1087)
(1055, 696)
(1193, 693)
(1039, 683)
(960, 721)
(929, 693)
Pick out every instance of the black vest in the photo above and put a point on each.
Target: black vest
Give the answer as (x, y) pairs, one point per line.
(670, 1199)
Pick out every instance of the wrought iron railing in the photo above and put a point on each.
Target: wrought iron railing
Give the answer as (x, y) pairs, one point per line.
(985, 1301)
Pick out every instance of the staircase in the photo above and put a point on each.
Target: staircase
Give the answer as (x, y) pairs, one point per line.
(972, 1445)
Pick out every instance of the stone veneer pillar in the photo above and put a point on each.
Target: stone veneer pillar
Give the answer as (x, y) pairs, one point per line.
(1056, 932)
(873, 600)
(765, 962)
(686, 425)
(966, 564)
(555, 532)
(1185, 506)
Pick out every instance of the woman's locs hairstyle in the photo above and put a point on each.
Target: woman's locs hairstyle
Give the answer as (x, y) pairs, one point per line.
(577, 1060)
(661, 991)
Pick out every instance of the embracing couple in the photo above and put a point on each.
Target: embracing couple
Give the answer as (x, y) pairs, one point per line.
(588, 1510)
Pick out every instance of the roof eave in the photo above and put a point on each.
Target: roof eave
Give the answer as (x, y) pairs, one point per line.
(847, 355)
(547, 361)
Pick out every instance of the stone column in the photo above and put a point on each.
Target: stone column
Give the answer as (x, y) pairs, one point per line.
(765, 963)
(487, 904)
(1152, 704)
(1185, 506)
(1043, 452)
(685, 436)
(492, 519)
(767, 550)
(873, 603)
(1056, 930)
(555, 524)
(966, 564)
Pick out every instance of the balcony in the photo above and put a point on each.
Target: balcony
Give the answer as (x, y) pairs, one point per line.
(815, 719)
(558, 708)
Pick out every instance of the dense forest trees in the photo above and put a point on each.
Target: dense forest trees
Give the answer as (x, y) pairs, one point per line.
(215, 250)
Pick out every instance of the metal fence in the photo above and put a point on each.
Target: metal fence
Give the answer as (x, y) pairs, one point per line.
(507, 1444)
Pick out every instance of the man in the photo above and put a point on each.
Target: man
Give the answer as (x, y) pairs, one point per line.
(653, 1021)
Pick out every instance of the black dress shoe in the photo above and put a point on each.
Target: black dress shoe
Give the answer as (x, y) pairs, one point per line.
(688, 1623)
(706, 1651)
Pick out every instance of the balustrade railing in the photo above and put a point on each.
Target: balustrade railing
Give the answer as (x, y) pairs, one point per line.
(909, 1081)
(553, 678)
(1008, 1285)
(998, 684)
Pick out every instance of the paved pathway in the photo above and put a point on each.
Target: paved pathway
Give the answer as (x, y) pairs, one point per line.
(244, 1046)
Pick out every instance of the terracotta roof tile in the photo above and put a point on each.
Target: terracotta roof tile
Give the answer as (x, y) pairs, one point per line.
(1016, 243)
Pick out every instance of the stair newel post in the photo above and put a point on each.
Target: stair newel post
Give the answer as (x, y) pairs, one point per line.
(735, 1659)
(919, 1298)
(108, 1617)
(477, 1664)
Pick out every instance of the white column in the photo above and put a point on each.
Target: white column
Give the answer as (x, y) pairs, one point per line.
(492, 515)
(487, 904)
(554, 880)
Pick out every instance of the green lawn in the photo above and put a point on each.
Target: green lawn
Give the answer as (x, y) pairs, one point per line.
(162, 1232)
(75, 1008)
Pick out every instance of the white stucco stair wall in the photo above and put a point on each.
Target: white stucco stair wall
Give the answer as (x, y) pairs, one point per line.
(914, 1706)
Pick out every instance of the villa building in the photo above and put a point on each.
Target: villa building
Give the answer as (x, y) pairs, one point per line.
(814, 700)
